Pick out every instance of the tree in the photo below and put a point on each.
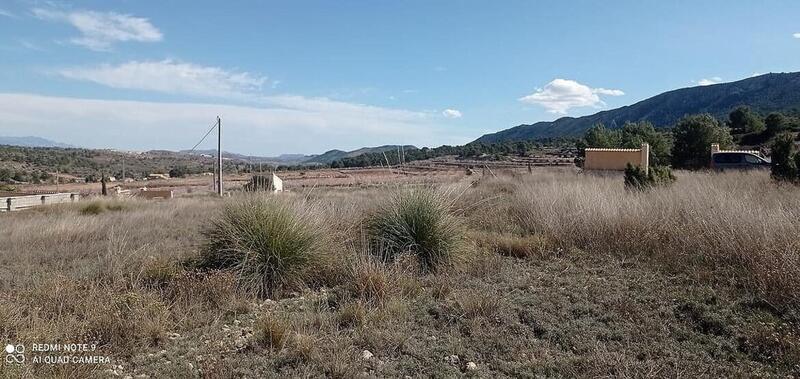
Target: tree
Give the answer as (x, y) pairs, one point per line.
(784, 167)
(599, 136)
(693, 136)
(6, 174)
(177, 172)
(742, 119)
(634, 134)
(775, 123)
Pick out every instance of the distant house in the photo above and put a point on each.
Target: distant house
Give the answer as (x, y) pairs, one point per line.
(157, 176)
(616, 159)
(112, 179)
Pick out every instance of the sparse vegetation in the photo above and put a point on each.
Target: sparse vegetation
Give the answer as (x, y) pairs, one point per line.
(557, 274)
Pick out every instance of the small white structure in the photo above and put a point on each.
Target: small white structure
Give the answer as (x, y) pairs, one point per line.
(277, 183)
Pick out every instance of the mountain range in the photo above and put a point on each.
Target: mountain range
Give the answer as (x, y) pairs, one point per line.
(30, 141)
(764, 93)
(333, 155)
(290, 159)
(283, 159)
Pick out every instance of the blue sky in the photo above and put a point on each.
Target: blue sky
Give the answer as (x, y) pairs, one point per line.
(308, 76)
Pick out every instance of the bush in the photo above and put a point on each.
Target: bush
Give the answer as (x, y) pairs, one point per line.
(775, 123)
(177, 172)
(784, 167)
(417, 222)
(661, 175)
(636, 178)
(268, 242)
(744, 120)
(693, 136)
(99, 206)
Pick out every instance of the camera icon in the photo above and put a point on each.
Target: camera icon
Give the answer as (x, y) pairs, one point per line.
(15, 354)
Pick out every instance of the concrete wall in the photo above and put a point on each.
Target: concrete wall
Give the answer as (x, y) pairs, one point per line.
(617, 159)
(16, 203)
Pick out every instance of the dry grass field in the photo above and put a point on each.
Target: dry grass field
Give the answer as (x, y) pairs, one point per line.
(555, 274)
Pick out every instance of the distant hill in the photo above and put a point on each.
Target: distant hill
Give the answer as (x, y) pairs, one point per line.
(764, 94)
(334, 155)
(30, 141)
(283, 159)
(297, 159)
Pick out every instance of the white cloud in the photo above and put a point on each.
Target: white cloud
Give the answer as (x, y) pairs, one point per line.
(100, 30)
(561, 95)
(796, 35)
(608, 92)
(709, 81)
(6, 13)
(451, 113)
(285, 124)
(171, 77)
(30, 45)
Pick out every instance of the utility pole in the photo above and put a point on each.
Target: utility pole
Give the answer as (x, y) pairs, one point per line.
(219, 155)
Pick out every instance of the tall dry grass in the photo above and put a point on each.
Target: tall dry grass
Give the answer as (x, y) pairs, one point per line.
(736, 227)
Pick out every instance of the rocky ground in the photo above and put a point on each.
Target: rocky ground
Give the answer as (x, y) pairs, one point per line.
(563, 316)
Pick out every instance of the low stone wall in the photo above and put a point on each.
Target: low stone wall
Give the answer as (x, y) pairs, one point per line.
(19, 202)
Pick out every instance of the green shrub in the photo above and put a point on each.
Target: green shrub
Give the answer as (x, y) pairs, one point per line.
(661, 175)
(636, 177)
(417, 222)
(268, 242)
(784, 167)
(99, 206)
(693, 136)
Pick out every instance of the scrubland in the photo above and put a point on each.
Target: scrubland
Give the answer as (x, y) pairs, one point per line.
(554, 273)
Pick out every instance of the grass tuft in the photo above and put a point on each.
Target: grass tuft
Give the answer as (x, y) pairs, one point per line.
(270, 243)
(271, 332)
(417, 222)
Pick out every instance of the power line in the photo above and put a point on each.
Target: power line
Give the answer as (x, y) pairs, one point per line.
(204, 137)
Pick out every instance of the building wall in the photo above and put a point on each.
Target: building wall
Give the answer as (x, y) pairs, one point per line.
(616, 159)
